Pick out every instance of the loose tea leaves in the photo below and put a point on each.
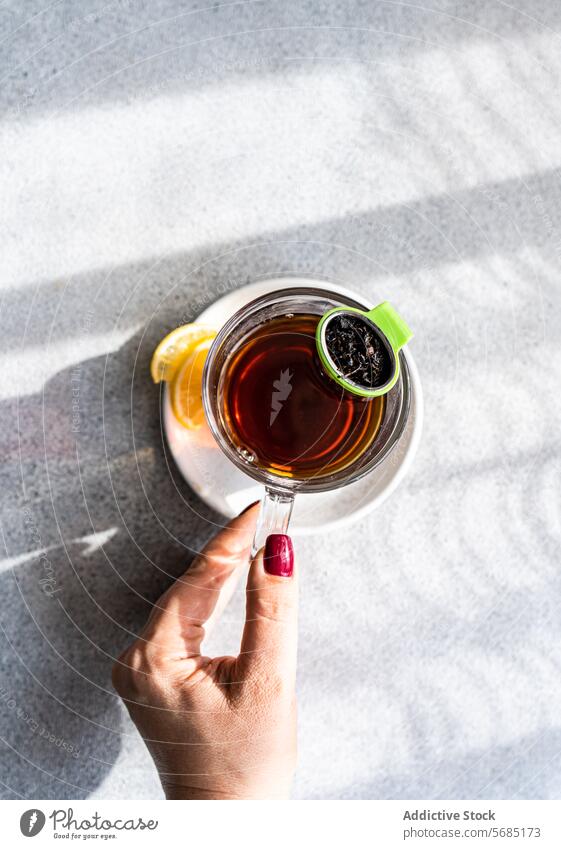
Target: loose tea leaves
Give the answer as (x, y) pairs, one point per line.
(357, 351)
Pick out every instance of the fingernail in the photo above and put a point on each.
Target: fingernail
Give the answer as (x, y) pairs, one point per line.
(249, 506)
(279, 555)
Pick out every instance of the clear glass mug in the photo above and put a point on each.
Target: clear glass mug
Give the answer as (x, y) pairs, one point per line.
(278, 500)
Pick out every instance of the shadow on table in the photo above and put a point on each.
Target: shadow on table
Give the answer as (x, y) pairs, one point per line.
(191, 47)
(104, 527)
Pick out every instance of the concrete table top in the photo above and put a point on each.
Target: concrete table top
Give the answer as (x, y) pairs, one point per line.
(154, 155)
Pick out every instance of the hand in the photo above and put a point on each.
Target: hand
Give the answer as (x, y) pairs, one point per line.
(223, 727)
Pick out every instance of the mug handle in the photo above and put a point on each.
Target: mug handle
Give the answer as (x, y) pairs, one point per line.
(274, 516)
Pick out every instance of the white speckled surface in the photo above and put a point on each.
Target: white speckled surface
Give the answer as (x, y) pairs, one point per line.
(154, 155)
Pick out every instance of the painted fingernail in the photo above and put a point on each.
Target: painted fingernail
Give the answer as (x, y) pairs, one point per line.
(279, 555)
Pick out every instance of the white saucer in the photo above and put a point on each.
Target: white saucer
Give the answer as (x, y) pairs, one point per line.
(228, 490)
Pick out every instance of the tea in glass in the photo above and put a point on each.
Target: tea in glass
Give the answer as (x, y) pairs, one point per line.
(282, 412)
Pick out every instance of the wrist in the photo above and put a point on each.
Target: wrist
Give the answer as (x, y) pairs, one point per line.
(176, 792)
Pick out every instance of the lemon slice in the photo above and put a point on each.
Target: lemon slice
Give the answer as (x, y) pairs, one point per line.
(186, 389)
(177, 345)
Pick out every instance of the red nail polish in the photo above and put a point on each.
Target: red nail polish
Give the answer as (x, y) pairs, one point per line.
(279, 555)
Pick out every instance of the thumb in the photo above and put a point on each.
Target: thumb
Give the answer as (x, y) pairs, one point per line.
(270, 634)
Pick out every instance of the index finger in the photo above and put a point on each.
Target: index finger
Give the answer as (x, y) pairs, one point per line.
(178, 618)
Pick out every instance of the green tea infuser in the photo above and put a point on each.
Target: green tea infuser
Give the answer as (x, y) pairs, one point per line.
(360, 350)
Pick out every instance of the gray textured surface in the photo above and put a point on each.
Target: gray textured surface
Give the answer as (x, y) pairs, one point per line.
(152, 154)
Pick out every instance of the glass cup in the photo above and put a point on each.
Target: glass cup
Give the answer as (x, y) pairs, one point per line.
(278, 500)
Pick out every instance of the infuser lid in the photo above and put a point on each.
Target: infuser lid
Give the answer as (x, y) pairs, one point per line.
(360, 350)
